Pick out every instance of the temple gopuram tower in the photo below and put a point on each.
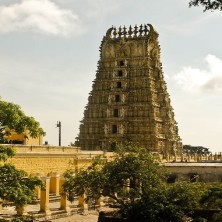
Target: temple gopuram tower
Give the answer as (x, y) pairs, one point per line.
(129, 99)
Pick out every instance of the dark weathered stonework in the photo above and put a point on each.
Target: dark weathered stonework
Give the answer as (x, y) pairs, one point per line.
(129, 99)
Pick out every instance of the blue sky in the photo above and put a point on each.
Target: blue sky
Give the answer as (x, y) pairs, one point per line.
(49, 51)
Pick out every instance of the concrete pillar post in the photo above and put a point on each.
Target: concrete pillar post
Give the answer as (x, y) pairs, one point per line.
(21, 210)
(54, 183)
(99, 202)
(44, 200)
(195, 157)
(1, 201)
(181, 158)
(64, 202)
(37, 189)
(127, 185)
(82, 202)
(38, 192)
(215, 157)
(188, 157)
(167, 158)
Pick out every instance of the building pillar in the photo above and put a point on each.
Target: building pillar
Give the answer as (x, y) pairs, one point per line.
(64, 205)
(215, 157)
(181, 158)
(44, 200)
(82, 202)
(1, 201)
(188, 157)
(167, 158)
(54, 183)
(174, 158)
(37, 189)
(195, 157)
(21, 210)
(38, 192)
(199, 157)
(99, 202)
(127, 185)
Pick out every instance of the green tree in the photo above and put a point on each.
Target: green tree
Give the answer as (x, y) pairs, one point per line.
(15, 186)
(207, 4)
(125, 172)
(137, 182)
(13, 118)
(212, 198)
(195, 149)
(6, 152)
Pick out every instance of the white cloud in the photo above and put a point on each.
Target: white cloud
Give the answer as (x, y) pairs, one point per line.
(199, 79)
(42, 16)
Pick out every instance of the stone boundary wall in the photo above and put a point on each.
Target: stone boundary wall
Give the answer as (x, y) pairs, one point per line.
(203, 171)
(45, 160)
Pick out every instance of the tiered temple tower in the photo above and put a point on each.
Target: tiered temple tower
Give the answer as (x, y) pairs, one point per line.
(129, 99)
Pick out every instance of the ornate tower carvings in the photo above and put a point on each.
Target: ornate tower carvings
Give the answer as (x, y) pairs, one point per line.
(129, 99)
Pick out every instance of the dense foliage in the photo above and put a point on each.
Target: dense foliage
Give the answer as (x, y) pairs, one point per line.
(13, 118)
(126, 171)
(137, 183)
(15, 186)
(6, 152)
(207, 4)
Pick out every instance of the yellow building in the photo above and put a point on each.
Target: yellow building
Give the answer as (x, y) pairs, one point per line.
(23, 138)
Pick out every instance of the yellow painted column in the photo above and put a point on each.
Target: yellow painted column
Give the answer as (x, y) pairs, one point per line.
(37, 189)
(99, 202)
(44, 200)
(167, 158)
(82, 202)
(64, 205)
(1, 204)
(54, 183)
(38, 192)
(127, 185)
(21, 210)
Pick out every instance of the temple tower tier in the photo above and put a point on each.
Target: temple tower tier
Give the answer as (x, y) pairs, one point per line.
(129, 99)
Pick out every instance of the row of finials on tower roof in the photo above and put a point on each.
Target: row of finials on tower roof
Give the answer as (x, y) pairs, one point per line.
(131, 32)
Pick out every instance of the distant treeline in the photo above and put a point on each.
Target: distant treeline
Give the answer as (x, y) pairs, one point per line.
(195, 149)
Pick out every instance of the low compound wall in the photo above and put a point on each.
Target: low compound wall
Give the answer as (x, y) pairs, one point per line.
(204, 171)
(44, 160)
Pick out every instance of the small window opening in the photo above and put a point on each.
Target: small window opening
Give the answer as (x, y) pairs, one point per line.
(117, 98)
(172, 178)
(114, 128)
(115, 112)
(121, 63)
(193, 177)
(119, 84)
(120, 72)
